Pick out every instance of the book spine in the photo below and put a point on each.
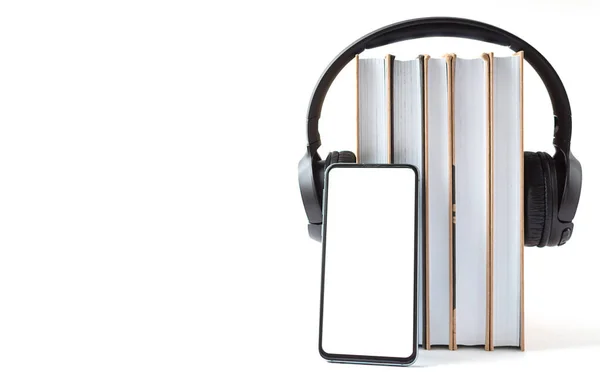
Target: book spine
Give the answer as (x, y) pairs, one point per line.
(357, 153)
(522, 215)
(389, 76)
(450, 60)
(424, 63)
(489, 81)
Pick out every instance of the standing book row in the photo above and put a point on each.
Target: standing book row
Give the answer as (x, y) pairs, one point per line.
(460, 122)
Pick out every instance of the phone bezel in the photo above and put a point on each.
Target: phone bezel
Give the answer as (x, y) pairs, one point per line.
(368, 359)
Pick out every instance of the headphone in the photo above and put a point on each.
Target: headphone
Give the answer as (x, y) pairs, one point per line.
(552, 185)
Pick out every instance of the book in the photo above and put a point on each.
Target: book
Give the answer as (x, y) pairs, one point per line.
(471, 159)
(507, 242)
(459, 122)
(438, 198)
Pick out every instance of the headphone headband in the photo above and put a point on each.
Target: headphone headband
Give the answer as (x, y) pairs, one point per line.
(568, 168)
(449, 27)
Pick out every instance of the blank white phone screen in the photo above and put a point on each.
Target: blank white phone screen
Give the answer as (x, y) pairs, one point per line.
(369, 262)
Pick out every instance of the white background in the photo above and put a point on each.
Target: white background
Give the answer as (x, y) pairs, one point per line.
(150, 216)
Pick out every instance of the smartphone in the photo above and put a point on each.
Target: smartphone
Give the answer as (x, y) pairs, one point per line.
(369, 264)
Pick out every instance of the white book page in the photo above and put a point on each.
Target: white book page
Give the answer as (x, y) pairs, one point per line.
(438, 202)
(471, 149)
(507, 219)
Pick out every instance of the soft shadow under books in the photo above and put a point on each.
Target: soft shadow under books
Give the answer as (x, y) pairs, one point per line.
(540, 337)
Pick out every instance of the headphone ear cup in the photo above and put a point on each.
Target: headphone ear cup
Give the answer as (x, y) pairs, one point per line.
(540, 199)
(328, 159)
(335, 156)
(535, 199)
(340, 157)
(550, 238)
(346, 157)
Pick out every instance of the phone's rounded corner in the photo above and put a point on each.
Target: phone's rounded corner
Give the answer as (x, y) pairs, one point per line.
(333, 166)
(412, 358)
(414, 169)
(326, 356)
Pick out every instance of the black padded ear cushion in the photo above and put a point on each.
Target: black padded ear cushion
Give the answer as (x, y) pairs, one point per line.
(535, 199)
(340, 157)
(332, 158)
(346, 157)
(550, 238)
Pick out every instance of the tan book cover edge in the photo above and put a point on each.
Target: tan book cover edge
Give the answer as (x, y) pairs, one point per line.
(450, 60)
(489, 71)
(357, 111)
(389, 77)
(427, 336)
(522, 323)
